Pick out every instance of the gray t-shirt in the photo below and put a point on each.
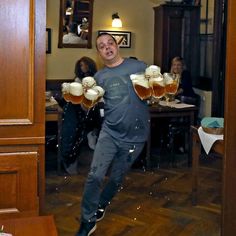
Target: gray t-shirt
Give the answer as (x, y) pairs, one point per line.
(126, 116)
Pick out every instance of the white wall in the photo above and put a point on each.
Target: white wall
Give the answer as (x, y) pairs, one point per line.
(137, 17)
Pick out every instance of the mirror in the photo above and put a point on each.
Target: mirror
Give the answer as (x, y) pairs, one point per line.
(75, 26)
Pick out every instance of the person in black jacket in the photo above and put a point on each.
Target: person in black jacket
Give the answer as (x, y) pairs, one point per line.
(185, 94)
(78, 123)
(185, 86)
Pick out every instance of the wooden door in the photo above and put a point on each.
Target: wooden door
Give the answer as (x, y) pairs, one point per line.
(22, 104)
(229, 180)
(176, 33)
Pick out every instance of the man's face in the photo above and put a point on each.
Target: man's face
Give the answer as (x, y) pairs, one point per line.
(107, 48)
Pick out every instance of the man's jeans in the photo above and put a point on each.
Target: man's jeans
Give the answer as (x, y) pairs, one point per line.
(107, 151)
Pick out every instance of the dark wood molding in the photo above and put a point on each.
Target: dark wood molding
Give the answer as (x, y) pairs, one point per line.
(218, 59)
(229, 180)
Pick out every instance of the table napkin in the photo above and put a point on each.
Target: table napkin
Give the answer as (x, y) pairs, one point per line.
(175, 104)
(207, 140)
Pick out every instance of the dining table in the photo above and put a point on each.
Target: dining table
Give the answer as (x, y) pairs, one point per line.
(169, 110)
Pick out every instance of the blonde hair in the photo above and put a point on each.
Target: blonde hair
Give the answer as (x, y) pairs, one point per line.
(177, 59)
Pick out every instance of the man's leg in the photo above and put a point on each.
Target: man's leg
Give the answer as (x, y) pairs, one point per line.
(123, 160)
(103, 155)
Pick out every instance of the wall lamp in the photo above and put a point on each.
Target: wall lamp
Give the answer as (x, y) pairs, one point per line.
(116, 21)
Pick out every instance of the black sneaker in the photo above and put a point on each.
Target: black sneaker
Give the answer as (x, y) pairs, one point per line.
(86, 228)
(100, 213)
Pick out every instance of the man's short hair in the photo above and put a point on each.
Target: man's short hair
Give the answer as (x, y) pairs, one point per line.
(105, 33)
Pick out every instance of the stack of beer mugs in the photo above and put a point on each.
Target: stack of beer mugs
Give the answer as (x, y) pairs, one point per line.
(148, 84)
(152, 85)
(86, 93)
(156, 81)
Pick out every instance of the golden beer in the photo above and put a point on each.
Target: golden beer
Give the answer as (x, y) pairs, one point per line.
(76, 93)
(172, 88)
(158, 90)
(142, 91)
(67, 97)
(65, 88)
(90, 98)
(158, 86)
(76, 99)
(88, 103)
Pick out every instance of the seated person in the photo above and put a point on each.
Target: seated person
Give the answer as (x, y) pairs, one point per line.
(72, 36)
(185, 85)
(185, 93)
(78, 123)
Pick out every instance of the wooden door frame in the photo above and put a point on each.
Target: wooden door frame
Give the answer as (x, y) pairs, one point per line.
(229, 178)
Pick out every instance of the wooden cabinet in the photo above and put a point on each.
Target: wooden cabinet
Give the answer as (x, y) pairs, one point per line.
(18, 183)
(176, 33)
(36, 226)
(22, 102)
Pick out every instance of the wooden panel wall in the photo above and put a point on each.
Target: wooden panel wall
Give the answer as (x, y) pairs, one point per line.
(229, 190)
(22, 102)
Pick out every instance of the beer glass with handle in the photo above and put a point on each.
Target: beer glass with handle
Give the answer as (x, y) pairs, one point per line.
(141, 86)
(171, 85)
(157, 85)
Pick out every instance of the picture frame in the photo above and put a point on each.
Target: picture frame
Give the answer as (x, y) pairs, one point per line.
(48, 40)
(123, 38)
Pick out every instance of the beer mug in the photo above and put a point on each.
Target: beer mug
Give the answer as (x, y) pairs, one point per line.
(171, 83)
(158, 86)
(100, 91)
(76, 93)
(141, 86)
(65, 89)
(90, 98)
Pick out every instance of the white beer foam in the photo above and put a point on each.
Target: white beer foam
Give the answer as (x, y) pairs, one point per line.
(76, 89)
(158, 80)
(168, 78)
(65, 87)
(88, 82)
(141, 82)
(153, 70)
(100, 90)
(137, 76)
(91, 94)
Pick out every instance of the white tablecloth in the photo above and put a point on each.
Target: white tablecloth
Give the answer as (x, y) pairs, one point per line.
(208, 140)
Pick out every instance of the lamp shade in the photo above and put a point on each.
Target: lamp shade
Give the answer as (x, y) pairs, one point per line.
(116, 21)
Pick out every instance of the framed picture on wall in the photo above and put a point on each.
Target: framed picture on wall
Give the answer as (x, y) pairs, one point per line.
(48, 40)
(123, 38)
